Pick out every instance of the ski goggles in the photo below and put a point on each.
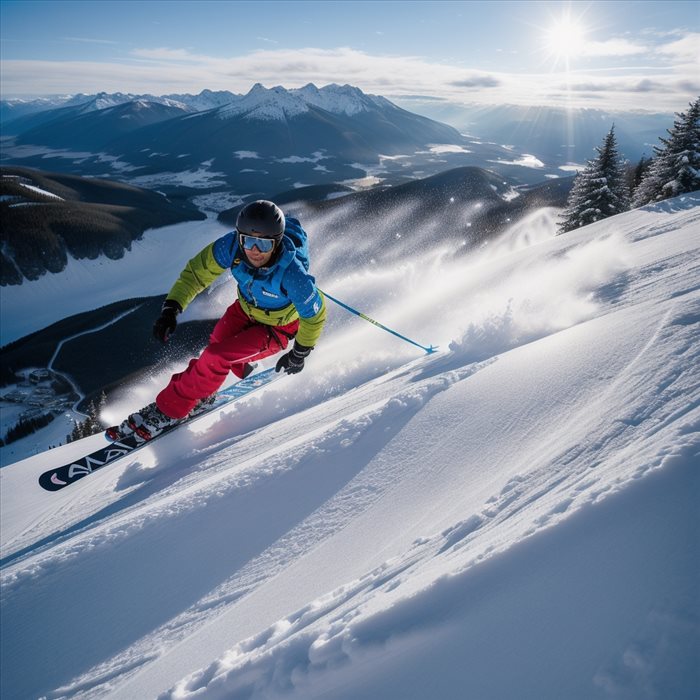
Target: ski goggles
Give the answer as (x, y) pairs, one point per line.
(264, 245)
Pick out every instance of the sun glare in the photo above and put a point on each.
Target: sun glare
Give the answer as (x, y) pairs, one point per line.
(565, 38)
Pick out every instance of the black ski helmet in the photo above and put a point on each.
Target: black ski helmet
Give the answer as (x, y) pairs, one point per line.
(262, 219)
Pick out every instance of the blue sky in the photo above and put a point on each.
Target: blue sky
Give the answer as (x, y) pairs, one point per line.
(599, 54)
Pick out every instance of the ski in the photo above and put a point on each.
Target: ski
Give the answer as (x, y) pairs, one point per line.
(60, 477)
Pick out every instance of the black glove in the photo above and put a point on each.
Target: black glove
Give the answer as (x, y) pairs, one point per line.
(293, 361)
(166, 323)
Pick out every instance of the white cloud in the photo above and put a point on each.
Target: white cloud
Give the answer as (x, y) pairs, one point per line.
(165, 54)
(687, 48)
(613, 47)
(148, 67)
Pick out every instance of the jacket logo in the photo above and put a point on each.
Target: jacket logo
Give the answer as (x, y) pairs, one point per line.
(265, 293)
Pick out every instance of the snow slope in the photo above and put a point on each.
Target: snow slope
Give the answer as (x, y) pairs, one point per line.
(513, 517)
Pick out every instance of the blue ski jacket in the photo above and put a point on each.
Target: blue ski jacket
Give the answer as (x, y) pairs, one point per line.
(274, 296)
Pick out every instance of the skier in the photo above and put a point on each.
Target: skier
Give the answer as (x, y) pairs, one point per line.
(277, 301)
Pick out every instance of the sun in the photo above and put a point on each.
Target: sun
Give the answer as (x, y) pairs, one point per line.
(565, 38)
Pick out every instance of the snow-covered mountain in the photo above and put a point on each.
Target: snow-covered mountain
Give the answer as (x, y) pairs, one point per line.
(344, 99)
(89, 126)
(104, 100)
(261, 104)
(21, 107)
(14, 109)
(333, 98)
(207, 99)
(513, 517)
(277, 103)
(266, 141)
(279, 123)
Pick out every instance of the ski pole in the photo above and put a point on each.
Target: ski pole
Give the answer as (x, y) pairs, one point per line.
(429, 349)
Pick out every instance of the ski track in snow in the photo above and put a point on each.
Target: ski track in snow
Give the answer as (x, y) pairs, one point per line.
(298, 552)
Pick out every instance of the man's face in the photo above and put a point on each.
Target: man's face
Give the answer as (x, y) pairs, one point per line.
(258, 250)
(258, 259)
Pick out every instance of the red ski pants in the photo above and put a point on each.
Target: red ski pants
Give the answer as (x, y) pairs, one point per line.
(235, 340)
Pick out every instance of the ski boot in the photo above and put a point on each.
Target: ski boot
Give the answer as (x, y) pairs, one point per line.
(202, 406)
(146, 424)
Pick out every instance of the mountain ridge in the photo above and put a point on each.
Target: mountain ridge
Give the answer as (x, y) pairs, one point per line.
(331, 97)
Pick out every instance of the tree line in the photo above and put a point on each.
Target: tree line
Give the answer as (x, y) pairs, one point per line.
(608, 185)
(26, 426)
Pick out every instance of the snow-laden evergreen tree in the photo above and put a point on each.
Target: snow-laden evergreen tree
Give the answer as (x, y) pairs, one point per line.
(635, 173)
(600, 190)
(91, 425)
(76, 433)
(101, 404)
(676, 167)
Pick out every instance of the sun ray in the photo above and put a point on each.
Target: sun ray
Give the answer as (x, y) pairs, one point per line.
(565, 38)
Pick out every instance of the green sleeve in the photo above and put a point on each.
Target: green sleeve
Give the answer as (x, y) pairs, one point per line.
(198, 274)
(310, 328)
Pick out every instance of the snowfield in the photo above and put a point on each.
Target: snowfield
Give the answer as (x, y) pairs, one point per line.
(515, 516)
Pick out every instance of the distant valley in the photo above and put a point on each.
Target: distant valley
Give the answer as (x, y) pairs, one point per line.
(555, 135)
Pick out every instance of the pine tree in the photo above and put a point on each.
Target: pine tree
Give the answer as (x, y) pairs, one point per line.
(676, 167)
(91, 425)
(640, 171)
(101, 404)
(635, 173)
(600, 189)
(76, 433)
